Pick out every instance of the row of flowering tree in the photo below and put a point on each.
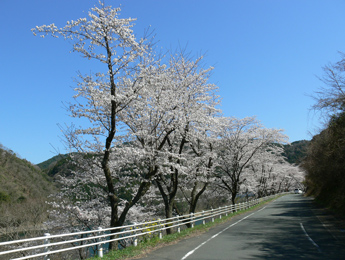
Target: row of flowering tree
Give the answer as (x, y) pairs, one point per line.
(152, 134)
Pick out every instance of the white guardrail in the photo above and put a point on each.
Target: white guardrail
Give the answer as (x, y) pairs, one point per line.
(49, 245)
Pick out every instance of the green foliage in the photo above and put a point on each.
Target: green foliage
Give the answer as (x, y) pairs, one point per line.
(4, 197)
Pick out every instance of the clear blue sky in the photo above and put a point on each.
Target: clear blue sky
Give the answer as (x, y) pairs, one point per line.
(266, 55)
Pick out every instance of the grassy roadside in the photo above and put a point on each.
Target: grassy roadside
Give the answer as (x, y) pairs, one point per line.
(143, 248)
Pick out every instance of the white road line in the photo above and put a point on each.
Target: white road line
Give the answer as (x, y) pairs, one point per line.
(323, 224)
(203, 243)
(311, 240)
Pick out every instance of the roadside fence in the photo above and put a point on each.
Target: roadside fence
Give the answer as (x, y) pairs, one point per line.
(96, 241)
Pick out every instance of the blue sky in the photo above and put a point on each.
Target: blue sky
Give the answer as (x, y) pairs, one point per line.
(267, 56)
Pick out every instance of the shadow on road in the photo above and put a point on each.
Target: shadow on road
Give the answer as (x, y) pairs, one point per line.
(293, 232)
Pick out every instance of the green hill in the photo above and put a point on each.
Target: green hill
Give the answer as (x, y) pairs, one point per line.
(20, 180)
(296, 151)
(24, 190)
(60, 165)
(51, 162)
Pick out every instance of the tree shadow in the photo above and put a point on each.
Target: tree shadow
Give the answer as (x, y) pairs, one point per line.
(293, 232)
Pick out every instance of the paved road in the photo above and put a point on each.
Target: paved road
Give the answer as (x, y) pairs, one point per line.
(287, 228)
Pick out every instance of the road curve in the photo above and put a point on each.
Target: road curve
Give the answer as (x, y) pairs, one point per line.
(287, 228)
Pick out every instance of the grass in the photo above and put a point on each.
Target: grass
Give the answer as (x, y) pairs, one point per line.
(154, 243)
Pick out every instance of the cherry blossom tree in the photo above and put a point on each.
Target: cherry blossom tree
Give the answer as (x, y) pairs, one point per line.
(263, 172)
(294, 177)
(240, 141)
(146, 123)
(194, 101)
(270, 173)
(102, 96)
(200, 162)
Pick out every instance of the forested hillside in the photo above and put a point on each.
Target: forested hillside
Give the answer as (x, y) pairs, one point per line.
(325, 162)
(325, 165)
(296, 151)
(20, 180)
(51, 162)
(57, 165)
(24, 189)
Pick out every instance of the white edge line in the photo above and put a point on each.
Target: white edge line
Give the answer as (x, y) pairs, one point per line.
(310, 239)
(329, 231)
(203, 243)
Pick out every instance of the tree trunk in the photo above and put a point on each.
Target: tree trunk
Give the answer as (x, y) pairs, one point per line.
(234, 192)
(113, 205)
(233, 197)
(169, 202)
(168, 214)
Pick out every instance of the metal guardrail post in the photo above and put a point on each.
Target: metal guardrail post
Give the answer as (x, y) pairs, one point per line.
(99, 246)
(135, 242)
(178, 222)
(191, 219)
(160, 229)
(220, 213)
(46, 249)
(203, 217)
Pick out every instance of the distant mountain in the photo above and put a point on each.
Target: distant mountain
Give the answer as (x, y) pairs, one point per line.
(51, 162)
(58, 165)
(62, 163)
(296, 151)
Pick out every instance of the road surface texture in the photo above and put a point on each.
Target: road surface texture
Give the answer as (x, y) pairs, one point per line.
(290, 227)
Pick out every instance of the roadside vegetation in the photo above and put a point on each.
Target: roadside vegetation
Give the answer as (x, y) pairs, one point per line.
(325, 161)
(325, 165)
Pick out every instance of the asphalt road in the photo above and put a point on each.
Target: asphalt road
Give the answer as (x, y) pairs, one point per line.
(290, 227)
